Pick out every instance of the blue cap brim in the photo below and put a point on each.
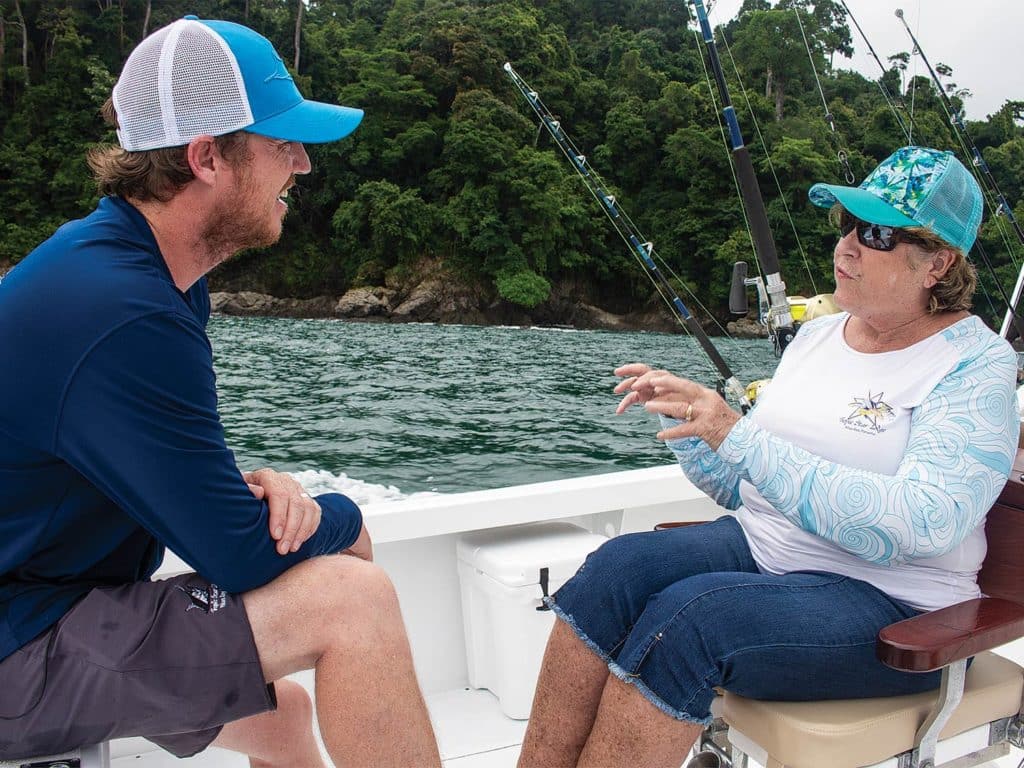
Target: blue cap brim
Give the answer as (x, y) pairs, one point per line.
(310, 122)
(861, 203)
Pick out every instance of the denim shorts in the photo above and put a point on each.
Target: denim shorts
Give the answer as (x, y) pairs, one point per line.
(677, 613)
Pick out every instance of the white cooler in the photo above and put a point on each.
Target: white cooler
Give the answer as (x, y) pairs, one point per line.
(500, 573)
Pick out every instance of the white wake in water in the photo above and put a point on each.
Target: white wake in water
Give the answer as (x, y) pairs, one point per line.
(321, 481)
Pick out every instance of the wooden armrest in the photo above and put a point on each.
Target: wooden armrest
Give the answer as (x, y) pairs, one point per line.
(666, 526)
(933, 640)
(1013, 492)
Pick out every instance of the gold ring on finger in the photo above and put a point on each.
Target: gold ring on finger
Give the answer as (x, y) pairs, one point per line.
(689, 412)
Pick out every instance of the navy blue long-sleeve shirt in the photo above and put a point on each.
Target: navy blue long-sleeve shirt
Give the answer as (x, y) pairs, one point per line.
(111, 446)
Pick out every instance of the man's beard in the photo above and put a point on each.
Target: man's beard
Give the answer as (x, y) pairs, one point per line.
(236, 225)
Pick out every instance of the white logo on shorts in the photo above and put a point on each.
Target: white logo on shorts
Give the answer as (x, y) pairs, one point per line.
(209, 599)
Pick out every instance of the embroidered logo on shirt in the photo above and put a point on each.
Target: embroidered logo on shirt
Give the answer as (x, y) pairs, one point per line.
(870, 415)
(208, 599)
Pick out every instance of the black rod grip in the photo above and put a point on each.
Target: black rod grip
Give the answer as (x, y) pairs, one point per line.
(764, 243)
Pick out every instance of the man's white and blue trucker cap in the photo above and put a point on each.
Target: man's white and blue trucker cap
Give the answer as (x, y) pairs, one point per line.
(196, 77)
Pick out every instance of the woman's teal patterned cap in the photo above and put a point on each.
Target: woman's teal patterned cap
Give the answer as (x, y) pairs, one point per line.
(914, 187)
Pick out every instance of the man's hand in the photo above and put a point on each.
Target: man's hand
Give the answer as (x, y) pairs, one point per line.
(294, 516)
(362, 547)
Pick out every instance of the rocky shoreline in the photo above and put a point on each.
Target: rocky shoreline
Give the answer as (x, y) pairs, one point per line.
(436, 299)
(380, 304)
(428, 292)
(436, 304)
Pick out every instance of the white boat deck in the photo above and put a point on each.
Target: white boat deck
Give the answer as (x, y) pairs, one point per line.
(471, 732)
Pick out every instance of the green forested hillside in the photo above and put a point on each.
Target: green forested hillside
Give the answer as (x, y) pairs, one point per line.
(449, 164)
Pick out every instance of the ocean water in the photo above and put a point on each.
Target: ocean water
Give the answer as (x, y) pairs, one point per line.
(385, 411)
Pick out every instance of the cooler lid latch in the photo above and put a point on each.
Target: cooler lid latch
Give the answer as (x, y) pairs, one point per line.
(543, 588)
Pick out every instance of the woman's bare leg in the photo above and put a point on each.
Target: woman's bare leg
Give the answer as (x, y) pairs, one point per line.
(572, 679)
(630, 731)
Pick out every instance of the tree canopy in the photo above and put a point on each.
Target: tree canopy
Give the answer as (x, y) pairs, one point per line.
(449, 164)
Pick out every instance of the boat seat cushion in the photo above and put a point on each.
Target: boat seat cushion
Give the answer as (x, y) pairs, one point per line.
(856, 732)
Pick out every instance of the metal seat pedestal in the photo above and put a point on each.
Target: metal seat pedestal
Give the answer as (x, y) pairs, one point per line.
(92, 756)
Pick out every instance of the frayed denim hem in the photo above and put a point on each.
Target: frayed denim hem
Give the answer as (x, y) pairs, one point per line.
(550, 603)
(655, 699)
(622, 674)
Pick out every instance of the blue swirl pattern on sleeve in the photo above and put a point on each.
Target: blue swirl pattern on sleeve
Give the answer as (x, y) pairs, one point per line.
(705, 468)
(960, 450)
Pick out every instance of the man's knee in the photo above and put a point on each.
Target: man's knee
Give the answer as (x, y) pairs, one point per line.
(276, 736)
(293, 705)
(329, 585)
(317, 604)
(349, 583)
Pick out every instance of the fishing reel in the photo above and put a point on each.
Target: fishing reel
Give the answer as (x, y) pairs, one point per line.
(800, 309)
(780, 335)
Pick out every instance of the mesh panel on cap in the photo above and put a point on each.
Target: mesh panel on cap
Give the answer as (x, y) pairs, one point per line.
(951, 210)
(138, 103)
(206, 90)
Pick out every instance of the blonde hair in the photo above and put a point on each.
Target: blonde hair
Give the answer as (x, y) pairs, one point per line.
(155, 174)
(955, 289)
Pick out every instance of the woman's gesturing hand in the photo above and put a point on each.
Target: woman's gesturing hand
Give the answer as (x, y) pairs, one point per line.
(701, 411)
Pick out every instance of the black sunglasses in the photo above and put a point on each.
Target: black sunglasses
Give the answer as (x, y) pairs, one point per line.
(875, 236)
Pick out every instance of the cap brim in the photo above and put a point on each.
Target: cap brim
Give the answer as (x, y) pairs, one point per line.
(310, 122)
(861, 203)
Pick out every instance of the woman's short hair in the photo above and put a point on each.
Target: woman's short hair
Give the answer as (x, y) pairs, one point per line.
(954, 292)
(155, 174)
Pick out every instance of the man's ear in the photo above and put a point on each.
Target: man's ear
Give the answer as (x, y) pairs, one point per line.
(203, 158)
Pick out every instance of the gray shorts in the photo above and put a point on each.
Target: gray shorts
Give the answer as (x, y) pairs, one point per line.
(168, 660)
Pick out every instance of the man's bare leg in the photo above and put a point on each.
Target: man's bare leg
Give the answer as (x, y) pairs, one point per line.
(629, 731)
(572, 680)
(279, 739)
(339, 614)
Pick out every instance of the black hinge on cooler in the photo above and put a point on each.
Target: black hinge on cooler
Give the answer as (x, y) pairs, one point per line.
(543, 588)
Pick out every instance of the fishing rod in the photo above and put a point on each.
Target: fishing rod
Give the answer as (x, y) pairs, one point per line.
(779, 318)
(738, 298)
(889, 98)
(841, 154)
(639, 245)
(1002, 208)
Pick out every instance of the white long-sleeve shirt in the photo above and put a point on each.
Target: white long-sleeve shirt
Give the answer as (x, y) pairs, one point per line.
(879, 466)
